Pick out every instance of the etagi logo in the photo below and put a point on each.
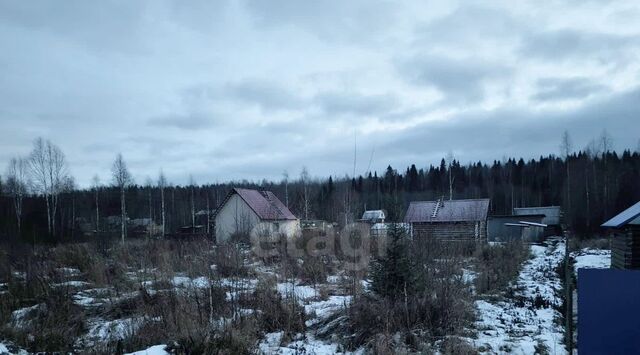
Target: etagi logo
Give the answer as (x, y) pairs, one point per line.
(354, 245)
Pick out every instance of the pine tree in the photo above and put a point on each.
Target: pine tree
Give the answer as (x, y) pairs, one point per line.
(395, 273)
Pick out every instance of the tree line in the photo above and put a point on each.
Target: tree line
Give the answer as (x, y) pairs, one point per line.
(41, 202)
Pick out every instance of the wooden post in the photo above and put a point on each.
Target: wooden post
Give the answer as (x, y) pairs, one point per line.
(568, 295)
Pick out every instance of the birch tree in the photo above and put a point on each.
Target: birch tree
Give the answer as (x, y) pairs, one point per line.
(285, 176)
(48, 168)
(95, 184)
(450, 160)
(149, 186)
(606, 145)
(304, 180)
(565, 150)
(162, 184)
(122, 180)
(192, 187)
(16, 186)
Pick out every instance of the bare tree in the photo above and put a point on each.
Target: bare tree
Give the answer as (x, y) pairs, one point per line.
(285, 176)
(162, 184)
(565, 150)
(16, 186)
(606, 145)
(48, 168)
(149, 186)
(69, 187)
(122, 180)
(192, 186)
(95, 183)
(304, 180)
(450, 160)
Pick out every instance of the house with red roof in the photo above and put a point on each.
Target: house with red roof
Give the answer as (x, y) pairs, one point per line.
(253, 213)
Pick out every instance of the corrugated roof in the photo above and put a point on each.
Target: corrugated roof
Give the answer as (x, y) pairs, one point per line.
(448, 211)
(264, 203)
(629, 216)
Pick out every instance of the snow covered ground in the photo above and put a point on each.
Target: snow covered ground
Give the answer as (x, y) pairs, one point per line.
(588, 258)
(527, 321)
(154, 350)
(316, 310)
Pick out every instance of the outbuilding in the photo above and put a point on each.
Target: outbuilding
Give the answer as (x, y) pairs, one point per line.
(625, 245)
(449, 219)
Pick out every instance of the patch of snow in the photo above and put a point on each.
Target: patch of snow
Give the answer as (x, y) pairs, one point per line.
(154, 350)
(72, 283)
(588, 258)
(303, 344)
(68, 271)
(323, 309)
(106, 331)
(517, 325)
(300, 292)
(20, 317)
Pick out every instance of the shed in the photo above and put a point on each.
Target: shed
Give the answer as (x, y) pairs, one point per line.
(253, 213)
(552, 217)
(528, 228)
(449, 219)
(625, 245)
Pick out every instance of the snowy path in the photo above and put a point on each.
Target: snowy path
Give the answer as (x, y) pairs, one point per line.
(527, 321)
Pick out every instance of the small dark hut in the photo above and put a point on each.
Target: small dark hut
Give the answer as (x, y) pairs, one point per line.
(625, 245)
(526, 228)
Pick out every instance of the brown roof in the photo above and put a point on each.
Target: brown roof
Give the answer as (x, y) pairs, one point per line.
(448, 211)
(264, 203)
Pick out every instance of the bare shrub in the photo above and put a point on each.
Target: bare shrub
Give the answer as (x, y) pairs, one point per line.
(275, 312)
(498, 265)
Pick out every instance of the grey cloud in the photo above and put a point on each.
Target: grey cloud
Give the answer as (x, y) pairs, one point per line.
(558, 89)
(333, 103)
(266, 95)
(334, 20)
(459, 80)
(486, 135)
(103, 25)
(468, 24)
(566, 43)
(191, 121)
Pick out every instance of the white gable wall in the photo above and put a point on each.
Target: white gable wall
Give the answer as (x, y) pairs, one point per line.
(235, 216)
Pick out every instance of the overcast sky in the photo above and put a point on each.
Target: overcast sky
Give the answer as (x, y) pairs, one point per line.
(247, 89)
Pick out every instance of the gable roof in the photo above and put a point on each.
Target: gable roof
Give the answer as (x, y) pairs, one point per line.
(448, 211)
(264, 203)
(629, 216)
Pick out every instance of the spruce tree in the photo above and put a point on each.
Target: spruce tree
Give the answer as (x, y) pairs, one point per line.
(396, 274)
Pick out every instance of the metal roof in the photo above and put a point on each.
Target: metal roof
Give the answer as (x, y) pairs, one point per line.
(264, 203)
(373, 214)
(629, 216)
(448, 211)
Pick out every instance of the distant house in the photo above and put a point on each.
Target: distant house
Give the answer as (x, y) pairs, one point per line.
(449, 219)
(625, 245)
(373, 216)
(252, 213)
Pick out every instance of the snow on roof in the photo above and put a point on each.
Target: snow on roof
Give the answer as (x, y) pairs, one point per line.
(448, 211)
(629, 216)
(373, 214)
(264, 203)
